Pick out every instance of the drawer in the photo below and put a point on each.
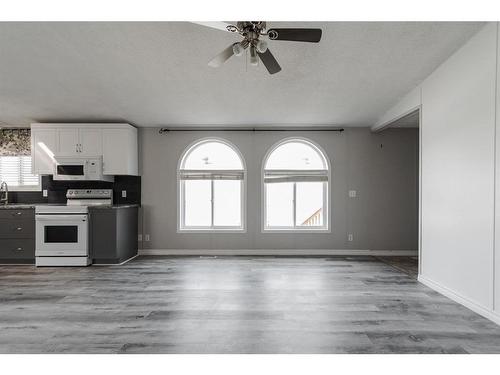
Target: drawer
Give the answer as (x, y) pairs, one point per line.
(17, 249)
(17, 228)
(22, 213)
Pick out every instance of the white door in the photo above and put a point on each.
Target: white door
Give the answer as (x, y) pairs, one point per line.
(91, 141)
(68, 141)
(115, 150)
(44, 146)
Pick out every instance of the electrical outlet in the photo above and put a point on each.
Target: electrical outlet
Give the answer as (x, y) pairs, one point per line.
(352, 193)
(350, 237)
(146, 237)
(45, 193)
(139, 237)
(124, 193)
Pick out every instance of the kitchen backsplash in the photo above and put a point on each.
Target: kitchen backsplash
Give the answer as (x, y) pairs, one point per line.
(57, 190)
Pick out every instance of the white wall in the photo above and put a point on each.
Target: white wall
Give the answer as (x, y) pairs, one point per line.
(384, 216)
(458, 154)
(496, 275)
(458, 178)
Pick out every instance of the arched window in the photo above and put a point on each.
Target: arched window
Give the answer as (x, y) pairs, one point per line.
(295, 178)
(211, 187)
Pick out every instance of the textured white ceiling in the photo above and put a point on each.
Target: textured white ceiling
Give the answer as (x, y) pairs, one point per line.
(156, 73)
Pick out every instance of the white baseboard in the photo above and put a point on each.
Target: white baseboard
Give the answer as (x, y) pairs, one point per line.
(481, 310)
(304, 252)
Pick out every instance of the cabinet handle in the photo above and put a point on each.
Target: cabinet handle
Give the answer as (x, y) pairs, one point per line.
(17, 213)
(19, 249)
(19, 229)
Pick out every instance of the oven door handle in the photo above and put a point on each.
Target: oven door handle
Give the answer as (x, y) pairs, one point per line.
(61, 217)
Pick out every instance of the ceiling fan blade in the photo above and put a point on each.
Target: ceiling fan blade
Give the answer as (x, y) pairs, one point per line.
(223, 26)
(269, 62)
(222, 57)
(295, 35)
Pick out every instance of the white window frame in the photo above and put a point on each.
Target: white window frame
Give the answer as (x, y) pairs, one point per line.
(181, 227)
(14, 188)
(326, 228)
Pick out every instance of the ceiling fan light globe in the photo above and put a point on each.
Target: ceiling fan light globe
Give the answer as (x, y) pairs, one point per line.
(261, 46)
(238, 49)
(253, 56)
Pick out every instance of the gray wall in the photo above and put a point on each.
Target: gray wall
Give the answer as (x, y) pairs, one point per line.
(381, 167)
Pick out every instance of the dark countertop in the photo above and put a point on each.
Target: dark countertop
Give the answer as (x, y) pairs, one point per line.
(114, 206)
(19, 206)
(16, 206)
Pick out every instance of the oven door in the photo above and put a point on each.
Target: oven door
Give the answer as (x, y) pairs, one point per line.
(71, 171)
(61, 235)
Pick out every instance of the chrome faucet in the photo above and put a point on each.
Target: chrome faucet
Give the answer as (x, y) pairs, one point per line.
(4, 193)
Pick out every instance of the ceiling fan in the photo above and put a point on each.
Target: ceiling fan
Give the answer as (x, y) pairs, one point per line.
(252, 32)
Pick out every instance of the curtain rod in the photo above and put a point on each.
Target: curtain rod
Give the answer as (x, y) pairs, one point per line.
(167, 130)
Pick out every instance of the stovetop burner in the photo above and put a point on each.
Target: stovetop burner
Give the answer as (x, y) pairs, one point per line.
(78, 201)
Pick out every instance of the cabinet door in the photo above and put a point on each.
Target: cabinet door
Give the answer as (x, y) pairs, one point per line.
(91, 141)
(115, 150)
(68, 141)
(43, 148)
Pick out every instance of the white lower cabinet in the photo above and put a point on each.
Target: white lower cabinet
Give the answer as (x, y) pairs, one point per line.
(117, 143)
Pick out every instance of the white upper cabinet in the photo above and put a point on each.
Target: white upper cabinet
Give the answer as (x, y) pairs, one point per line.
(90, 141)
(115, 160)
(79, 141)
(68, 141)
(43, 147)
(116, 143)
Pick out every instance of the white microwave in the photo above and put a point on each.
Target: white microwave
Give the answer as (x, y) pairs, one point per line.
(70, 168)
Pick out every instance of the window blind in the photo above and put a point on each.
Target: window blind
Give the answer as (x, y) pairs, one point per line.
(211, 175)
(277, 176)
(16, 171)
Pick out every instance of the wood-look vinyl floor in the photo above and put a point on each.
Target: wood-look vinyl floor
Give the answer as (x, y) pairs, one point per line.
(233, 305)
(408, 265)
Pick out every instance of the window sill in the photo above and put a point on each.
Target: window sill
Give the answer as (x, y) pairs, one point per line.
(18, 189)
(212, 231)
(296, 230)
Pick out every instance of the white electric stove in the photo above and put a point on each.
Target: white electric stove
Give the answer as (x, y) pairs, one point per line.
(62, 230)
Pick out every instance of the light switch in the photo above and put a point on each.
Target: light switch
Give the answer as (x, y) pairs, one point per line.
(350, 237)
(45, 193)
(124, 193)
(352, 193)
(146, 237)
